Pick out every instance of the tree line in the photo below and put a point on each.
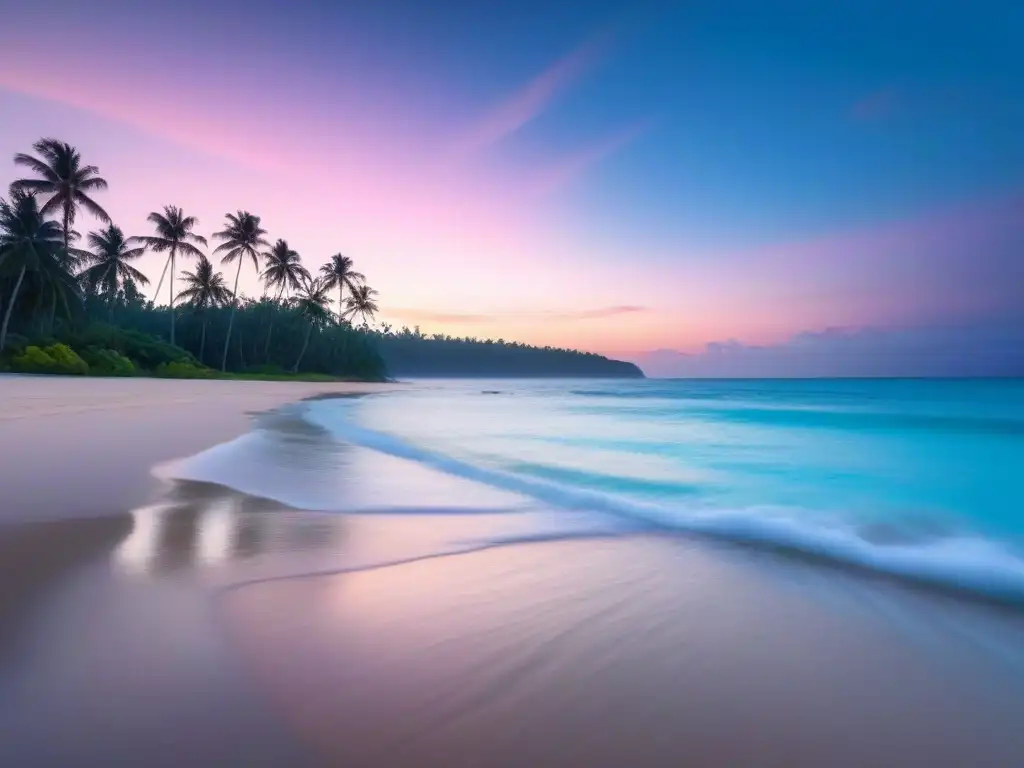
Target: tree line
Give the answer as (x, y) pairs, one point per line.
(44, 270)
(56, 286)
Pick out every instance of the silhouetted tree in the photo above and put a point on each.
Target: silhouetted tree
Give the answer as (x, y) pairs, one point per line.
(361, 303)
(243, 238)
(63, 180)
(204, 289)
(174, 235)
(108, 269)
(338, 273)
(313, 305)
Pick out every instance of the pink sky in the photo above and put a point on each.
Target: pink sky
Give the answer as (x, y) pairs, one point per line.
(455, 236)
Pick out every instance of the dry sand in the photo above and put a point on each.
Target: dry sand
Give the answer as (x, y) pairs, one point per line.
(84, 447)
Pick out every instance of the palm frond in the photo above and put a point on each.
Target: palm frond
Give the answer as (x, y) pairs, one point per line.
(54, 204)
(129, 272)
(187, 249)
(36, 165)
(35, 186)
(91, 205)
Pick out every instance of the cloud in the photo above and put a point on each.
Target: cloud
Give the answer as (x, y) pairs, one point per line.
(592, 314)
(525, 104)
(469, 318)
(994, 347)
(567, 169)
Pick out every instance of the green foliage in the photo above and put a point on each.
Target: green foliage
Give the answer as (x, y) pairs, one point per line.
(56, 359)
(141, 349)
(184, 370)
(107, 362)
(295, 336)
(408, 352)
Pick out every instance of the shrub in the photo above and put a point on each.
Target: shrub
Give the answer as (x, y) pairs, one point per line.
(267, 370)
(57, 358)
(177, 370)
(107, 362)
(143, 350)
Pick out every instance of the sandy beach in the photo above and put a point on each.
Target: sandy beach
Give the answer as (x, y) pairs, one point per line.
(84, 447)
(238, 631)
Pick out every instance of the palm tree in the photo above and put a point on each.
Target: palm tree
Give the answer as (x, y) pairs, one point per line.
(204, 289)
(174, 234)
(243, 237)
(110, 270)
(313, 304)
(284, 269)
(361, 303)
(338, 273)
(59, 273)
(27, 242)
(64, 179)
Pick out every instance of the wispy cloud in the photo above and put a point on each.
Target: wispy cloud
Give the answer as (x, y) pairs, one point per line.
(529, 101)
(470, 318)
(569, 168)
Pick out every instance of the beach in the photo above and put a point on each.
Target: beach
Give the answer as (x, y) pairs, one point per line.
(150, 615)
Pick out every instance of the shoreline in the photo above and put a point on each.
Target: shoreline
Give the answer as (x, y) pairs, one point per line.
(220, 628)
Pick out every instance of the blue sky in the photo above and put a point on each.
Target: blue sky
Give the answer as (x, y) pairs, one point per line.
(723, 170)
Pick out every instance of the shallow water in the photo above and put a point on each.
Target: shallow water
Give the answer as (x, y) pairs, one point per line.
(914, 478)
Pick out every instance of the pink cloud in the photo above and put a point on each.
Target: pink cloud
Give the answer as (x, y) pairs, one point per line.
(527, 103)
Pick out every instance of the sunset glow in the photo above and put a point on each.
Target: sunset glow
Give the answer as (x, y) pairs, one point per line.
(587, 183)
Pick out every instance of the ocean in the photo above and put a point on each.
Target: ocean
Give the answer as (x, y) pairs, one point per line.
(916, 479)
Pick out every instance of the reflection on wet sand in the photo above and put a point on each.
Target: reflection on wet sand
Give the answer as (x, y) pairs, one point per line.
(35, 557)
(200, 524)
(108, 645)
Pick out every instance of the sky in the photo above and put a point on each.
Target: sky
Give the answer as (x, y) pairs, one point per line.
(675, 183)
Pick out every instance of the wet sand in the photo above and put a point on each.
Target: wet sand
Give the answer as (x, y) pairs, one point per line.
(192, 631)
(639, 651)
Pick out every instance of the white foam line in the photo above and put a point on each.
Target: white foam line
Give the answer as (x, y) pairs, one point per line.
(973, 564)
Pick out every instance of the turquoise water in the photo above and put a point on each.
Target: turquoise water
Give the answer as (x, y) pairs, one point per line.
(916, 478)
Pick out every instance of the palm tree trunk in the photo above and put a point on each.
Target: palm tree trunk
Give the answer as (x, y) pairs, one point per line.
(231, 320)
(160, 283)
(305, 343)
(10, 308)
(67, 224)
(341, 290)
(170, 283)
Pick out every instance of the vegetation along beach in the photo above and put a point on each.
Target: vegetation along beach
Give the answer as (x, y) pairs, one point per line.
(75, 304)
